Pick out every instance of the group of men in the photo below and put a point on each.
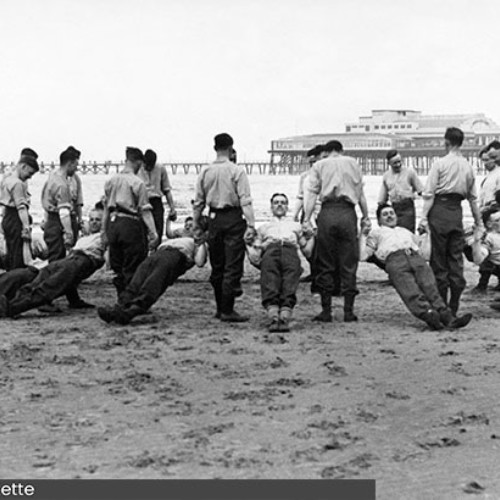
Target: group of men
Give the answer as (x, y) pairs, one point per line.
(131, 204)
(430, 293)
(132, 221)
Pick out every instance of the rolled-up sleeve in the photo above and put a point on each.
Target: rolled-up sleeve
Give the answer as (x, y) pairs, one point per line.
(19, 195)
(300, 194)
(79, 191)
(164, 181)
(314, 184)
(243, 188)
(471, 188)
(432, 182)
(200, 195)
(415, 182)
(142, 198)
(62, 197)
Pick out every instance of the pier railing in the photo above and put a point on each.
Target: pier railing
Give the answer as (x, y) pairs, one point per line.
(110, 167)
(370, 166)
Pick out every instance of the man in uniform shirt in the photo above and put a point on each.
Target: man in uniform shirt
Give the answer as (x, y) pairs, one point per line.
(313, 155)
(490, 156)
(450, 180)
(399, 185)
(15, 202)
(159, 271)
(223, 186)
(61, 222)
(275, 252)
(61, 225)
(338, 181)
(126, 210)
(409, 273)
(157, 183)
(56, 278)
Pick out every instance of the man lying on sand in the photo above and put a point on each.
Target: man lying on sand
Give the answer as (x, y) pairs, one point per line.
(410, 274)
(159, 271)
(57, 277)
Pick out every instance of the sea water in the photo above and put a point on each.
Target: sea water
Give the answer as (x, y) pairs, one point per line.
(183, 186)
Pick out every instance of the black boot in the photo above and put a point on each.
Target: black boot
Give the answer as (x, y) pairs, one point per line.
(218, 300)
(227, 313)
(124, 315)
(325, 315)
(454, 300)
(433, 319)
(443, 291)
(348, 308)
(106, 313)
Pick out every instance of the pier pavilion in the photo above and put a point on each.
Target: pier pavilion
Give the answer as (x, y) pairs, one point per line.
(418, 137)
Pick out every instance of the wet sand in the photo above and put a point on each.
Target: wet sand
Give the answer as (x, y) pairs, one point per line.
(178, 394)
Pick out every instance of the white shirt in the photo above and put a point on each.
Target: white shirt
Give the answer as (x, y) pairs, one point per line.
(491, 242)
(279, 231)
(385, 240)
(489, 186)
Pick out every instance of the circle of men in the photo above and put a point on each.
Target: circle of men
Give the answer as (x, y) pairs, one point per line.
(130, 222)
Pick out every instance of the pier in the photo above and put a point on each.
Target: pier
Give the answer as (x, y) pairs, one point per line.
(370, 164)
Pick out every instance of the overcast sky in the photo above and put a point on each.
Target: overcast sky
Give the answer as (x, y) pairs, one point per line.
(170, 74)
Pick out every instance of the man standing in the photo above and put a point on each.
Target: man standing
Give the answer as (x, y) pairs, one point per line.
(399, 185)
(126, 207)
(451, 180)
(157, 183)
(313, 155)
(224, 187)
(15, 201)
(61, 226)
(338, 181)
(490, 156)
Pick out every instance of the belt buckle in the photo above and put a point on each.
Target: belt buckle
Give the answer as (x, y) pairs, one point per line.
(112, 218)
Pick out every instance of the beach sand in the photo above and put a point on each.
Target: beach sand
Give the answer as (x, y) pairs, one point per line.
(178, 394)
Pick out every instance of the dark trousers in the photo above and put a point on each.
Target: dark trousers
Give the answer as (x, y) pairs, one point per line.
(11, 281)
(447, 241)
(227, 253)
(158, 215)
(12, 228)
(53, 234)
(127, 249)
(405, 210)
(279, 276)
(51, 282)
(153, 276)
(337, 248)
(415, 283)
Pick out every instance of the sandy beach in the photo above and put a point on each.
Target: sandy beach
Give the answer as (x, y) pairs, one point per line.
(177, 394)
